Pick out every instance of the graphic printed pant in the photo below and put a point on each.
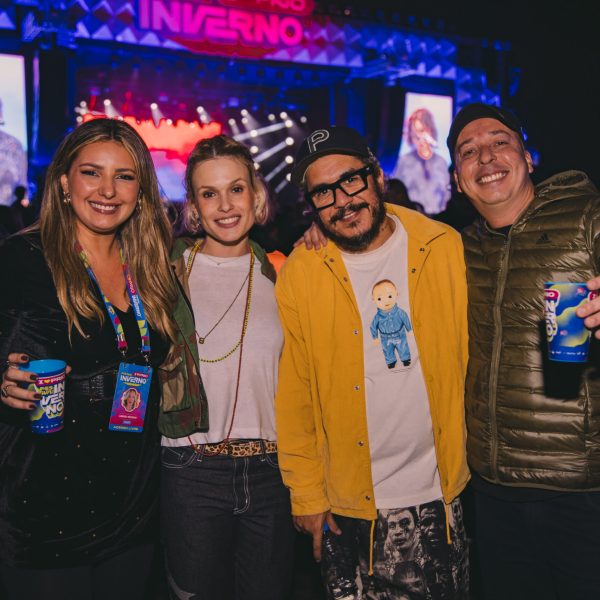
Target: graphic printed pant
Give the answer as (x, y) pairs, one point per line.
(411, 556)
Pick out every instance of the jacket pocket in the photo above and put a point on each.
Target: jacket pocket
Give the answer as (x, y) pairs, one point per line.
(172, 377)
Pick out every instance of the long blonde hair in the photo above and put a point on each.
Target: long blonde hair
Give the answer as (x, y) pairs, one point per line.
(218, 147)
(146, 236)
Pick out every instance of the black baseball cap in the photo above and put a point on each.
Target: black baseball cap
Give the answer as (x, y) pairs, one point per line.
(478, 110)
(332, 140)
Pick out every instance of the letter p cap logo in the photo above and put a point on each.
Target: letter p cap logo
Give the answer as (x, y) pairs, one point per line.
(315, 138)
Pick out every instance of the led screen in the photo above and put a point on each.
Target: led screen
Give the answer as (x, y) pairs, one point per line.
(13, 126)
(423, 157)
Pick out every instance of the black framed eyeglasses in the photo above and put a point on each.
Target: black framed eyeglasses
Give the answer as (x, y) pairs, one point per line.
(355, 182)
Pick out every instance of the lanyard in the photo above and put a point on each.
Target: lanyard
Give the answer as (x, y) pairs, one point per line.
(134, 298)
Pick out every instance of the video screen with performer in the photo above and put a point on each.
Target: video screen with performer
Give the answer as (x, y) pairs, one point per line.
(423, 158)
(13, 127)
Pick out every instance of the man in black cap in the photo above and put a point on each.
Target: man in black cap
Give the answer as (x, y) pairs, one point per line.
(533, 426)
(362, 433)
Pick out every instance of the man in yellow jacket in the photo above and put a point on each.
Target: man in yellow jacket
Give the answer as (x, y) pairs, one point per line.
(370, 413)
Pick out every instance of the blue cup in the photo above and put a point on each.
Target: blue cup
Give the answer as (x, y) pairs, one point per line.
(48, 415)
(568, 337)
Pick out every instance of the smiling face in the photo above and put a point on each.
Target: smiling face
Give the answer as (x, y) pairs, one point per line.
(225, 201)
(492, 169)
(103, 185)
(130, 399)
(354, 223)
(384, 295)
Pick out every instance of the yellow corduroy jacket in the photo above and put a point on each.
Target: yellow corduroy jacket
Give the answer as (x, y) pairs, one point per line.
(320, 403)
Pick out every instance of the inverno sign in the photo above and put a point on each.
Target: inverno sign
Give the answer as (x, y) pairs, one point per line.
(247, 27)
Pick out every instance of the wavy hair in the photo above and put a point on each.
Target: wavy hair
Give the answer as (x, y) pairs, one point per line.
(218, 147)
(146, 236)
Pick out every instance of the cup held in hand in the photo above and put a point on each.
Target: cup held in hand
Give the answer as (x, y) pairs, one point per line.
(48, 416)
(568, 338)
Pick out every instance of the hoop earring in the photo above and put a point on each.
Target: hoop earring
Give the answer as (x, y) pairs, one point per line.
(66, 198)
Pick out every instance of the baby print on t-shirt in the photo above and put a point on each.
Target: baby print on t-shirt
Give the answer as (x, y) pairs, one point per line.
(390, 324)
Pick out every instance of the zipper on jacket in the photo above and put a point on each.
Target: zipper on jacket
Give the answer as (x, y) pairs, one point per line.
(500, 285)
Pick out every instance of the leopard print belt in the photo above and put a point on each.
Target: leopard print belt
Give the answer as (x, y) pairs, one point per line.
(238, 448)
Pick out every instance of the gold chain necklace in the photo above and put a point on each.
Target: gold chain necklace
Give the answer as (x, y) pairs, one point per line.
(249, 277)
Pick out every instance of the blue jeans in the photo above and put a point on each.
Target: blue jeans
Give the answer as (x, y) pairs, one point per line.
(226, 526)
(540, 550)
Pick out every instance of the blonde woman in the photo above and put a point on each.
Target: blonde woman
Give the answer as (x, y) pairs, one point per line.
(78, 507)
(225, 512)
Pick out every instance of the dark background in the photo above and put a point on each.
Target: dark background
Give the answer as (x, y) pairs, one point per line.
(555, 53)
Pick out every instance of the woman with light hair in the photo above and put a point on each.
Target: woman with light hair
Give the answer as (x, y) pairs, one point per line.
(90, 284)
(225, 512)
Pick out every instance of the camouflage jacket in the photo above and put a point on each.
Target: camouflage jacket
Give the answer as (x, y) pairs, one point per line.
(184, 407)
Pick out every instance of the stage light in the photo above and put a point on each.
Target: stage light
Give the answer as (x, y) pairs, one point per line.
(109, 110)
(271, 151)
(256, 166)
(289, 176)
(154, 106)
(169, 121)
(283, 115)
(271, 117)
(280, 167)
(253, 149)
(79, 119)
(260, 131)
(282, 184)
(253, 133)
(289, 159)
(288, 123)
(289, 141)
(200, 109)
(244, 112)
(231, 122)
(244, 120)
(303, 119)
(83, 104)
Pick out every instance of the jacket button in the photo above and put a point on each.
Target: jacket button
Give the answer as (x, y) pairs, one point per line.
(413, 270)
(356, 388)
(356, 332)
(331, 260)
(367, 497)
(421, 249)
(361, 443)
(345, 279)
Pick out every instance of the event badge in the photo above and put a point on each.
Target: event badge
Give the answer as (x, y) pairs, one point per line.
(131, 398)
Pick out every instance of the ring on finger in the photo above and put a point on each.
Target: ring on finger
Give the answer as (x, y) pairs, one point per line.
(4, 391)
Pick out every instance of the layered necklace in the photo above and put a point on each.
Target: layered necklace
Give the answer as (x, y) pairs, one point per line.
(248, 278)
(239, 344)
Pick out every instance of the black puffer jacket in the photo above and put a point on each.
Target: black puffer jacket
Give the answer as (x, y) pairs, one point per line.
(532, 422)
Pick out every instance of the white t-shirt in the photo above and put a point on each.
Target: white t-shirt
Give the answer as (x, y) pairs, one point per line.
(214, 282)
(403, 461)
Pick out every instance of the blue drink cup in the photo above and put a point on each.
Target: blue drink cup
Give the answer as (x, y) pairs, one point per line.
(568, 338)
(47, 416)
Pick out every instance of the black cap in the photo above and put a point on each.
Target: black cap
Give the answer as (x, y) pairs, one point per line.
(478, 110)
(332, 140)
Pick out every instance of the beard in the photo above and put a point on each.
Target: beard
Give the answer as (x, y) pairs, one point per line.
(360, 241)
